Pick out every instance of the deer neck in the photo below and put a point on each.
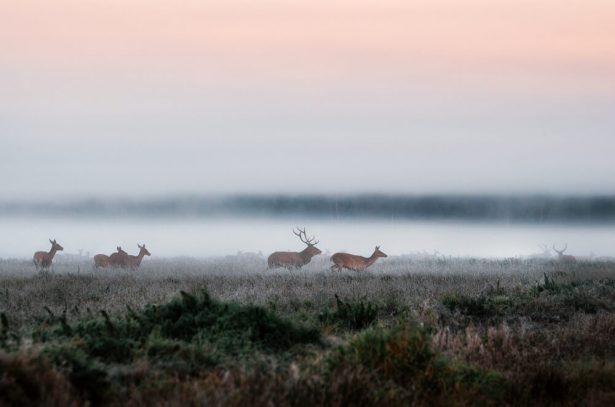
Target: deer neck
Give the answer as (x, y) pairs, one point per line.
(371, 260)
(305, 253)
(52, 252)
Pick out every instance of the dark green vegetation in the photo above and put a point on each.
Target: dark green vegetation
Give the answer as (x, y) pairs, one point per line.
(499, 333)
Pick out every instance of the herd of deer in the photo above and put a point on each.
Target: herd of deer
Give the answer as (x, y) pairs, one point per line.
(43, 260)
(289, 260)
(340, 261)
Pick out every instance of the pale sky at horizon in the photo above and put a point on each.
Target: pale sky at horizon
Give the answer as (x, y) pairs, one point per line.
(134, 97)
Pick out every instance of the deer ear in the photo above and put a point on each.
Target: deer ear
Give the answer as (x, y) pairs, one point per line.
(50, 241)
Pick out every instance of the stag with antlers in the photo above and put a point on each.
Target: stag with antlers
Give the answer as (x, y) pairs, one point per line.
(42, 260)
(354, 262)
(564, 258)
(295, 260)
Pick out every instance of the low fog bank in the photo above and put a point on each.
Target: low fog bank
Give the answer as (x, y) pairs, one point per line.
(242, 264)
(541, 209)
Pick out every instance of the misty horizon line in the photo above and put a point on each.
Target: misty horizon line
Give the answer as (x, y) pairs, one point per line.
(541, 208)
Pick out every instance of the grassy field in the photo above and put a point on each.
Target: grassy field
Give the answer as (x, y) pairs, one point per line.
(226, 331)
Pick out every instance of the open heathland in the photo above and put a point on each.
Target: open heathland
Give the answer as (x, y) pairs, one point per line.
(422, 330)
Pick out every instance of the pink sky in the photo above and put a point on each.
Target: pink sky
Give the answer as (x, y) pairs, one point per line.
(452, 94)
(561, 45)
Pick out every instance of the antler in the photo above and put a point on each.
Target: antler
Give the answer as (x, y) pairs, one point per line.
(303, 236)
(561, 251)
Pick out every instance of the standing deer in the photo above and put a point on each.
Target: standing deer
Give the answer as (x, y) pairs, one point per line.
(564, 258)
(295, 260)
(42, 260)
(104, 261)
(134, 262)
(119, 258)
(354, 262)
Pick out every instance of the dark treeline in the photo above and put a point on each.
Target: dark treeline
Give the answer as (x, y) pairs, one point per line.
(542, 209)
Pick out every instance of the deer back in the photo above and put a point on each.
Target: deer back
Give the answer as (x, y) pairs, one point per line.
(102, 260)
(349, 261)
(285, 259)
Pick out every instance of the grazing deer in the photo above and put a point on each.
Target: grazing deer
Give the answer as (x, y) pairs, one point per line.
(564, 258)
(354, 262)
(295, 260)
(134, 262)
(104, 261)
(42, 260)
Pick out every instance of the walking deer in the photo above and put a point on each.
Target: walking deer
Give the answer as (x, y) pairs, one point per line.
(104, 261)
(295, 260)
(564, 258)
(119, 258)
(42, 260)
(354, 262)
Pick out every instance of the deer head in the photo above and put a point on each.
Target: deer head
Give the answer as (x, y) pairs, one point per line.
(119, 250)
(378, 253)
(565, 257)
(311, 248)
(55, 246)
(143, 251)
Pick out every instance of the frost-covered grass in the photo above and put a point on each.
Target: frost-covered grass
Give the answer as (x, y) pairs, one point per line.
(245, 279)
(410, 330)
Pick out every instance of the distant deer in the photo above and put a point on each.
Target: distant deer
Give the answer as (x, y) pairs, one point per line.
(42, 260)
(295, 260)
(104, 261)
(119, 258)
(354, 262)
(564, 258)
(134, 262)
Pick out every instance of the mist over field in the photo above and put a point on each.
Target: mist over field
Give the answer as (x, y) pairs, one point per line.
(448, 163)
(478, 226)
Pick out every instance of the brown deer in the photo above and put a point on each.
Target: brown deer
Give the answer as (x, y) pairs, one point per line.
(42, 260)
(564, 258)
(104, 261)
(354, 262)
(134, 262)
(119, 258)
(295, 260)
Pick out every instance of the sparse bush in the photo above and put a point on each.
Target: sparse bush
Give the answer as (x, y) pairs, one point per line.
(350, 314)
(397, 367)
(26, 380)
(479, 307)
(226, 329)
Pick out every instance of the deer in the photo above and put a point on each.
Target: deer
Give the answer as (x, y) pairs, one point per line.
(564, 258)
(42, 260)
(133, 262)
(119, 258)
(354, 262)
(104, 261)
(296, 260)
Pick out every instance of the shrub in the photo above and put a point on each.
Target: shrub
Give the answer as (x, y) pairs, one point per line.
(480, 306)
(350, 315)
(397, 366)
(227, 329)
